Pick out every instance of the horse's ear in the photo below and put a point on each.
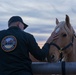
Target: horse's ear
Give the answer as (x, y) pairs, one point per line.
(67, 20)
(57, 21)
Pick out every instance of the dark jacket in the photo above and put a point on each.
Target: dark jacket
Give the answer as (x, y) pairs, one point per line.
(14, 51)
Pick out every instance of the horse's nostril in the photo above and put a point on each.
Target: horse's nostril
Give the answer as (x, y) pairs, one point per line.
(52, 56)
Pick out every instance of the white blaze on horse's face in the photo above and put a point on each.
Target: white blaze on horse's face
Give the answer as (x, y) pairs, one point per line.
(57, 30)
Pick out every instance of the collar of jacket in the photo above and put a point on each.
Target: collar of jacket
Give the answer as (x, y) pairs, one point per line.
(14, 27)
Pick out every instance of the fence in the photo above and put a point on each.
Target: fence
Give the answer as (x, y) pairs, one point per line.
(53, 68)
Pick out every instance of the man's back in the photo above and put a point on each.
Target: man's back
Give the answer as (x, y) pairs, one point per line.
(14, 54)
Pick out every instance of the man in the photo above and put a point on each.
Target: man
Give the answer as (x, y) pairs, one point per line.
(15, 47)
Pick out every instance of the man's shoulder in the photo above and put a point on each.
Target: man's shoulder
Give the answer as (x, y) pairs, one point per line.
(28, 34)
(1, 31)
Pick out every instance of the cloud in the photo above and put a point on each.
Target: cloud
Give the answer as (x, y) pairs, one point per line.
(38, 14)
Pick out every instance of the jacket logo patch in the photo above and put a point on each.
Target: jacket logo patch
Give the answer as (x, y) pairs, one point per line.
(9, 43)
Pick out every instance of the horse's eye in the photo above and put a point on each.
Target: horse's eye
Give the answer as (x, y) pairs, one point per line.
(64, 35)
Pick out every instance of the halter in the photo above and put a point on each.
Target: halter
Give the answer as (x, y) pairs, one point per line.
(61, 49)
(61, 54)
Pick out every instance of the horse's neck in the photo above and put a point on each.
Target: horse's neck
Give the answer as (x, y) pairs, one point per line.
(71, 57)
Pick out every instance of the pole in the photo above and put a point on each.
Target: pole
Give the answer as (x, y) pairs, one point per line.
(53, 68)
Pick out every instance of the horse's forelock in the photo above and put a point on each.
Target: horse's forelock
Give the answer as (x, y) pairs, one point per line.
(59, 26)
(62, 25)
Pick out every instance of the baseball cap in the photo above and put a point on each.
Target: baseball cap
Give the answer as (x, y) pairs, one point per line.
(15, 19)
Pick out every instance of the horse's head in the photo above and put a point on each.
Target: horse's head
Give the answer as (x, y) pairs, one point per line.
(62, 45)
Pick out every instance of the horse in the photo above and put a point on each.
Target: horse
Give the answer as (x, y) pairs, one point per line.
(63, 47)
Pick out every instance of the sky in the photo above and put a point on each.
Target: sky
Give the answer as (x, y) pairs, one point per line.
(40, 15)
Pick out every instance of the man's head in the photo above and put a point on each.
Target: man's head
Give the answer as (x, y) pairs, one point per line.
(17, 19)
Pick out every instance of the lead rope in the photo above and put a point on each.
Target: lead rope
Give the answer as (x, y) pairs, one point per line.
(61, 56)
(63, 68)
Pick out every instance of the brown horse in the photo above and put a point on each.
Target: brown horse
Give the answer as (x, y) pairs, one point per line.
(64, 46)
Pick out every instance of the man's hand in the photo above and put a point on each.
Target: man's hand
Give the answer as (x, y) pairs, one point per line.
(52, 37)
